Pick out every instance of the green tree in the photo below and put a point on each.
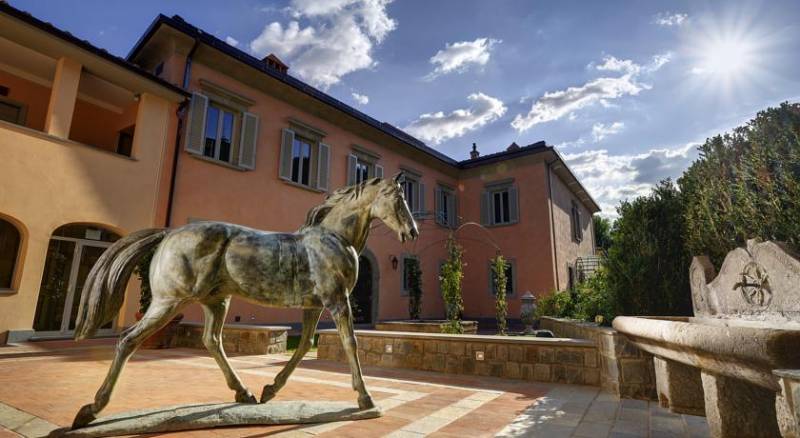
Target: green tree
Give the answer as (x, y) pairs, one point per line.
(746, 184)
(500, 282)
(602, 232)
(648, 263)
(414, 289)
(450, 281)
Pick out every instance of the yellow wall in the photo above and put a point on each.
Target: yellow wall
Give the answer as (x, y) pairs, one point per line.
(46, 182)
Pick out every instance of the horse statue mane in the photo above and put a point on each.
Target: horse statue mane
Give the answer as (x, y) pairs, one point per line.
(317, 214)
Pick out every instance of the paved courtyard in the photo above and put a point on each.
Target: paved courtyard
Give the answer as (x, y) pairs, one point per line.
(42, 385)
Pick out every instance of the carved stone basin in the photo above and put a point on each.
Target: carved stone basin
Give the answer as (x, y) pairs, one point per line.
(722, 363)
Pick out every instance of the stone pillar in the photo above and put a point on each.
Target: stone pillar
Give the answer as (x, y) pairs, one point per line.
(62, 98)
(680, 388)
(787, 404)
(737, 408)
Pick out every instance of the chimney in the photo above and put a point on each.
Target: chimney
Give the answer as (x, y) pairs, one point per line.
(474, 153)
(275, 63)
(512, 147)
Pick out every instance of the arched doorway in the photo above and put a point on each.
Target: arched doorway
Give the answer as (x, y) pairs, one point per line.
(364, 297)
(72, 252)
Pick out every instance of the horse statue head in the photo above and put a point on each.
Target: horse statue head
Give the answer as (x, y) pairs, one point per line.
(391, 208)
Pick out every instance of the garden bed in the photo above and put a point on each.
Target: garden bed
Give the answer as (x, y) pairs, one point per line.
(424, 326)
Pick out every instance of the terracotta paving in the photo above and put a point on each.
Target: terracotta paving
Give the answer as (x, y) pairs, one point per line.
(43, 385)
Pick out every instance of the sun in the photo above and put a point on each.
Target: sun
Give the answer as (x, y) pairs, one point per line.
(726, 57)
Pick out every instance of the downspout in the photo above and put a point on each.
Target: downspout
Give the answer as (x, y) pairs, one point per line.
(553, 245)
(187, 72)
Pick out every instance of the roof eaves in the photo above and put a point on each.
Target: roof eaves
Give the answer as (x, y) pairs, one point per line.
(85, 45)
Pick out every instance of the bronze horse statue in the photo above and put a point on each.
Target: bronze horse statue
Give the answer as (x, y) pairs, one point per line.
(209, 262)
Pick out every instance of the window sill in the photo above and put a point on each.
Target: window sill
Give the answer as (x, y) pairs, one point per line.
(302, 186)
(217, 162)
(4, 292)
(507, 224)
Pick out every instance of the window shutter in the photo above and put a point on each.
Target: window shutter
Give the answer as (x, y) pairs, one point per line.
(196, 123)
(352, 160)
(486, 206)
(323, 167)
(421, 198)
(378, 171)
(287, 141)
(513, 205)
(249, 137)
(452, 215)
(437, 206)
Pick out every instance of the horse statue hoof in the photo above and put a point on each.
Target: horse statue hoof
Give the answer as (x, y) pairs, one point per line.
(246, 397)
(365, 403)
(84, 417)
(267, 395)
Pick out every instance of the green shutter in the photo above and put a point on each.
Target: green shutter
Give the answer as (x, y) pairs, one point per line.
(323, 167)
(352, 160)
(378, 171)
(486, 205)
(249, 137)
(196, 124)
(513, 205)
(421, 198)
(287, 141)
(437, 205)
(452, 218)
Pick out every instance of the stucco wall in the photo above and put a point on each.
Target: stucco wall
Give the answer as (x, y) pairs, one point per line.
(48, 182)
(35, 96)
(567, 249)
(259, 199)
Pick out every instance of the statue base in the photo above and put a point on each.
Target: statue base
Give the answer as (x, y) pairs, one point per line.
(206, 416)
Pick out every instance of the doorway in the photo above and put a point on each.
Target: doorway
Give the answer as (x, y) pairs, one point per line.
(363, 298)
(71, 254)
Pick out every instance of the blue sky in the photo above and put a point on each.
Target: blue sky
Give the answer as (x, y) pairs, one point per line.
(624, 89)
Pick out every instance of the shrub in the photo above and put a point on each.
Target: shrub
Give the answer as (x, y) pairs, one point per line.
(450, 281)
(557, 304)
(500, 283)
(595, 301)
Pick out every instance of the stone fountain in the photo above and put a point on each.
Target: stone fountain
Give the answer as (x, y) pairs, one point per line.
(737, 361)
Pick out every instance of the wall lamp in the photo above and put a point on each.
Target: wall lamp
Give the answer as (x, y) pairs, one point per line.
(394, 262)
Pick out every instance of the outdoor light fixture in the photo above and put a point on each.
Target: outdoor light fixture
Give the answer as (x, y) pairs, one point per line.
(394, 262)
(387, 348)
(478, 355)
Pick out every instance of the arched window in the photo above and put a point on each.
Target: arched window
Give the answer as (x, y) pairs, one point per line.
(9, 249)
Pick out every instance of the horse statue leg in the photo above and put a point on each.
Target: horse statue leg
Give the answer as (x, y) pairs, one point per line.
(343, 317)
(215, 312)
(157, 315)
(310, 320)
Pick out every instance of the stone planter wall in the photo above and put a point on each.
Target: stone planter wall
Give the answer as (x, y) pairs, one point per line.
(236, 338)
(624, 369)
(432, 326)
(514, 357)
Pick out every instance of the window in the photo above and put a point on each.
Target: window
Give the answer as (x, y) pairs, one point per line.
(446, 207)
(304, 159)
(575, 220)
(414, 193)
(9, 247)
(12, 111)
(408, 263)
(570, 277)
(499, 204)
(125, 141)
(219, 133)
(362, 165)
(362, 171)
(301, 161)
(510, 278)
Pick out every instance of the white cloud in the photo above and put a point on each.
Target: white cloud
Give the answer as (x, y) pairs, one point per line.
(360, 98)
(339, 40)
(438, 127)
(460, 56)
(670, 19)
(557, 104)
(231, 41)
(601, 131)
(613, 178)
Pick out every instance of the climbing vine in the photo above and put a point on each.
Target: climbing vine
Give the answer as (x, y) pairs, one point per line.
(450, 278)
(500, 282)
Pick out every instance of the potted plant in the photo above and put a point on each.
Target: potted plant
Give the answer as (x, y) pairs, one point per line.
(164, 336)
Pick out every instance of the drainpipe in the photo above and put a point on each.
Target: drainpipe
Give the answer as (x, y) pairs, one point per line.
(552, 221)
(187, 72)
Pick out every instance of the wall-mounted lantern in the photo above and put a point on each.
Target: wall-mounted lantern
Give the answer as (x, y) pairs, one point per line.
(394, 262)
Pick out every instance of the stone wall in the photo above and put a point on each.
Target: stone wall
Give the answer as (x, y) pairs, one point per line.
(624, 369)
(236, 338)
(429, 326)
(514, 357)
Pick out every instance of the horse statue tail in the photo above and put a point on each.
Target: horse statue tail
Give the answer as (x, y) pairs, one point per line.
(104, 289)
